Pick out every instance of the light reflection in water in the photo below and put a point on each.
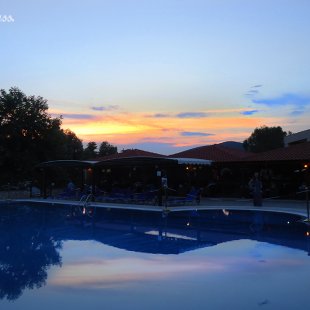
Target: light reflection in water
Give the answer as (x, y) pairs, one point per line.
(125, 269)
(247, 272)
(110, 264)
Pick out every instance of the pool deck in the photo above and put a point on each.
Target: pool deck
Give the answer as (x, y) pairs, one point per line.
(298, 207)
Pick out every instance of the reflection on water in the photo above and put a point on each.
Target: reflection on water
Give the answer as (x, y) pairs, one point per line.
(118, 249)
(27, 250)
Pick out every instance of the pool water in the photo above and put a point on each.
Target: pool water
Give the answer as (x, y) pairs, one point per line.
(57, 257)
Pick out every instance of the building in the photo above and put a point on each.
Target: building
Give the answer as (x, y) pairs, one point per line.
(218, 169)
(299, 137)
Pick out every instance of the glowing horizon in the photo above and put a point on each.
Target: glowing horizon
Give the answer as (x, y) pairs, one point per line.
(178, 130)
(162, 75)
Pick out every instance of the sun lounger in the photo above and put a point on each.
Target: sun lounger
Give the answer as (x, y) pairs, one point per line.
(193, 197)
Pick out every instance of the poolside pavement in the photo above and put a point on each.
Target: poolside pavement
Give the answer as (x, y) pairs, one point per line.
(275, 205)
(298, 207)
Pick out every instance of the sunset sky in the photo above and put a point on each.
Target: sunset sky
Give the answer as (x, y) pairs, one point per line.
(161, 75)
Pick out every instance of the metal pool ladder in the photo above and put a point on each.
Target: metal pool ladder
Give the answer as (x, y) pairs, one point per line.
(85, 210)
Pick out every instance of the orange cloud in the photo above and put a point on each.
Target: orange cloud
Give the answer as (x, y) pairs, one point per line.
(130, 128)
(123, 271)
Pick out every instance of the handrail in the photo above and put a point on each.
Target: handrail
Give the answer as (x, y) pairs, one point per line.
(85, 199)
(306, 190)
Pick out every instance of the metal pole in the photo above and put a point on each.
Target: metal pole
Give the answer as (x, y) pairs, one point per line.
(44, 184)
(307, 198)
(8, 190)
(306, 190)
(160, 191)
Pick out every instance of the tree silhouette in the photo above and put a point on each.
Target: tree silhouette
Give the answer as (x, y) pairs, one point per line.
(264, 139)
(26, 252)
(29, 135)
(90, 150)
(107, 149)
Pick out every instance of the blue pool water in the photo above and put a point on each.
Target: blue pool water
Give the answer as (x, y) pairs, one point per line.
(55, 257)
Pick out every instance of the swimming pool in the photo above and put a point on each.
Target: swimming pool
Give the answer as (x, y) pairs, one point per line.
(52, 256)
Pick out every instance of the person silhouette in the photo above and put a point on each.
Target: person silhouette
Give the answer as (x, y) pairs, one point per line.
(255, 186)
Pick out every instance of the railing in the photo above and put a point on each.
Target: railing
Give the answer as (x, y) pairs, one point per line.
(84, 205)
(85, 199)
(306, 191)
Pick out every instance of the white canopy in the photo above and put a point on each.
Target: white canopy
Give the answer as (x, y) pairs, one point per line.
(192, 161)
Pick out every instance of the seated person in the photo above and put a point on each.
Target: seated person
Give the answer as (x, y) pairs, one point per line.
(70, 186)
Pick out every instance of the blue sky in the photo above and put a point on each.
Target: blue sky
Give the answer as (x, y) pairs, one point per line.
(163, 75)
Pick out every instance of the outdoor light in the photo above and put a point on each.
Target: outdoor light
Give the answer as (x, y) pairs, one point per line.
(226, 212)
(306, 166)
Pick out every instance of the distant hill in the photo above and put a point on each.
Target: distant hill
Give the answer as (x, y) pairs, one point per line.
(232, 145)
(222, 152)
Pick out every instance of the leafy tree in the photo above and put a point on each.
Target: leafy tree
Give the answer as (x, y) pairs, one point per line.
(67, 145)
(73, 145)
(107, 149)
(29, 135)
(264, 139)
(90, 150)
(24, 126)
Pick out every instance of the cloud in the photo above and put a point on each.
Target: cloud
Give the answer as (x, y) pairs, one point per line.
(192, 115)
(286, 99)
(252, 92)
(160, 115)
(180, 115)
(250, 112)
(297, 113)
(195, 133)
(77, 116)
(107, 108)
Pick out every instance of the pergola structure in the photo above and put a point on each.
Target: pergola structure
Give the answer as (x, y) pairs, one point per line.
(153, 169)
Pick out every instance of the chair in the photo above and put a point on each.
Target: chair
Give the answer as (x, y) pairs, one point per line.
(193, 197)
(148, 197)
(118, 195)
(67, 194)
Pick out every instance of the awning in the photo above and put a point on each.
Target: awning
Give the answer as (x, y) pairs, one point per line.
(136, 161)
(126, 161)
(192, 161)
(68, 163)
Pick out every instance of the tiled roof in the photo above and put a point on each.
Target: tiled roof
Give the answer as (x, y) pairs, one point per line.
(215, 152)
(130, 153)
(218, 153)
(299, 151)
